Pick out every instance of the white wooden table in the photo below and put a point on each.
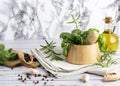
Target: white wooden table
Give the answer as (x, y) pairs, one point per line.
(9, 77)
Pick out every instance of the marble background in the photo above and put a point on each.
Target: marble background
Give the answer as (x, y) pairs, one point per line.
(38, 19)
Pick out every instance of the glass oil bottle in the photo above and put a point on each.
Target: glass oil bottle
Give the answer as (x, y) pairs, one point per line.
(112, 40)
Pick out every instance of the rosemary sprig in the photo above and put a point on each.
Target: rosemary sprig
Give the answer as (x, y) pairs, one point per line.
(75, 21)
(49, 50)
(106, 59)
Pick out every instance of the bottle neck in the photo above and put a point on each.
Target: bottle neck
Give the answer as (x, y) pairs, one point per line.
(108, 28)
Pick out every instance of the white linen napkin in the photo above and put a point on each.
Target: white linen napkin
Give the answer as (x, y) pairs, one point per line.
(59, 68)
(62, 69)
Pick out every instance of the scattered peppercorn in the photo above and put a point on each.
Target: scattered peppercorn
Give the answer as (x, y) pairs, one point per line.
(19, 78)
(37, 81)
(35, 75)
(11, 68)
(44, 76)
(42, 79)
(18, 74)
(39, 75)
(24, 78)
(27, 73)
(44, 83)
(43, 67)
(29, 77)
(52, 79)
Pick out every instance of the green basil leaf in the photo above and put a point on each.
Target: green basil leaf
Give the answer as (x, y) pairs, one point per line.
(2, 46)
(10, 50)
(76, 32)
(65, 35)
(2, 53)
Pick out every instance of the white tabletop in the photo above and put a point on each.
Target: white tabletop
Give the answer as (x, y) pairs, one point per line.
(9, 77)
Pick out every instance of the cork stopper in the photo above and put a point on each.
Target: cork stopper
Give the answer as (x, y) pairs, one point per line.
(108, 20)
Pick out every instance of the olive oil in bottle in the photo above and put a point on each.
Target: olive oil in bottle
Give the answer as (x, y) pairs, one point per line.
(112, 40)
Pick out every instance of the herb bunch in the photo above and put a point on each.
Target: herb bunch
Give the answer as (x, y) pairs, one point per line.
(49, 50)
(106, 59)
(76, 36)
(6, 55)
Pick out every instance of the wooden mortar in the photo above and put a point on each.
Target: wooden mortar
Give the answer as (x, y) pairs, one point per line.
(83, 54)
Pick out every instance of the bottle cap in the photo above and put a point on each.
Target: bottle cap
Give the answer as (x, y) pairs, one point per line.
(108, 20)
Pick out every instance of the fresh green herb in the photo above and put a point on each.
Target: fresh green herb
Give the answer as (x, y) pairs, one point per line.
(6, 55)
(106, 59)
(49, 50)
(75, 21)
(77, 37)
(102, 43)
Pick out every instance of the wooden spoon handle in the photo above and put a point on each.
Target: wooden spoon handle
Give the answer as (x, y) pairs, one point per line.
(13, 63)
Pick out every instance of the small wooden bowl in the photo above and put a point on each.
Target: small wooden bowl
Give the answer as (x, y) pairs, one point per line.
(83, 54)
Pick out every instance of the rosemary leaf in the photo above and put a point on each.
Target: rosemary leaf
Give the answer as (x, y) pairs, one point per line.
(49, 50)
(106, 59)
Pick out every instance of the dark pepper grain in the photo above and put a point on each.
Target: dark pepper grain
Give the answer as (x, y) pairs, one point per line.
(45, 76)
(43, 79)
(27, 57)
(44, 83)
